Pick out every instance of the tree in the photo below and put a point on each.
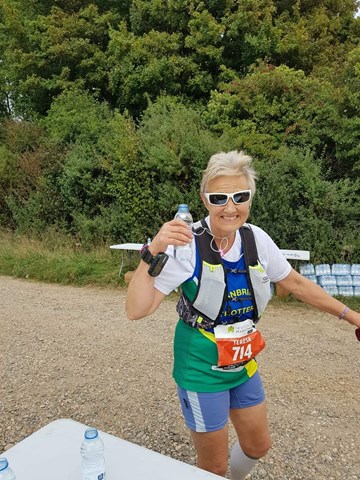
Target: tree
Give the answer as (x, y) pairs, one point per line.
(175, 147)
(300, 208)
(276, 106)
(48, 54)
(145, 67)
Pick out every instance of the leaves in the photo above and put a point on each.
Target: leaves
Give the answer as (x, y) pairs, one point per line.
(110, 110)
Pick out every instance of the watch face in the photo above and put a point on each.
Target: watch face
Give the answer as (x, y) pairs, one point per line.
(158, 264)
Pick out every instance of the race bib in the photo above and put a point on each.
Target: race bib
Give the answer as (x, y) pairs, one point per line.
(237, 343)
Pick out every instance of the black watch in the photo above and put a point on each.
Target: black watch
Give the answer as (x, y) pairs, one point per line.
(156, 263)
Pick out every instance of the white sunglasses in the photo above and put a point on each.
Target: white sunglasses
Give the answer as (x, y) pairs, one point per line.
(221, 199)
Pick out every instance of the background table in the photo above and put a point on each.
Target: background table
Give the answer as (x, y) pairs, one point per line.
(53, 453)
(129, 247)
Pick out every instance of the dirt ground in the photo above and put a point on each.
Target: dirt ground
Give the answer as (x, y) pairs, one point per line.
(69, 352)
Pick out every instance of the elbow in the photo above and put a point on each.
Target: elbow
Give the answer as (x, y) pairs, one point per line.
(131, 314)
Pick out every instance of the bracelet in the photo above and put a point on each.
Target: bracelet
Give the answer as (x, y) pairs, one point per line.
(346, 309)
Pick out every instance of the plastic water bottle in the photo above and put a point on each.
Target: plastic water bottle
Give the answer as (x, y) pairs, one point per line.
(5, 471)
(322, 269)
(355, 269)
(92, 456)
(183, 253)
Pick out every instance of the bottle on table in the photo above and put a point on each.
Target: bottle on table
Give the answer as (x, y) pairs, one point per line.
(92, 456)
(183, 253)
(6, 473)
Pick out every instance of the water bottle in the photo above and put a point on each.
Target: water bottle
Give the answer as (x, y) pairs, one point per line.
(340, 269)
(307, 269)
(92, 456)
(183, 253)
(5, 471)
(355, 269)
(322, 269)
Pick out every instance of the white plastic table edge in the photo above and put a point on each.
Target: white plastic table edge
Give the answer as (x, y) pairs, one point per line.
(53, 453)
(123, 247)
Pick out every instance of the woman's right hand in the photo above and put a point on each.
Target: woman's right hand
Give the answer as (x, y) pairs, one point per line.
(175, 232)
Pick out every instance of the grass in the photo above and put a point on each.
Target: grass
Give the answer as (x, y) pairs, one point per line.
(57, 259)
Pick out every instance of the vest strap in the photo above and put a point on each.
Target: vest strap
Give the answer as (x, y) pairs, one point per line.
(194, 312)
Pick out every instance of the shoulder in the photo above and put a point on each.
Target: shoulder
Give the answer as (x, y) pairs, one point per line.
(270, 256)
(261, 237)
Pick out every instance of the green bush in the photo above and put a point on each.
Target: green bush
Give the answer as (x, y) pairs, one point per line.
(301, 209)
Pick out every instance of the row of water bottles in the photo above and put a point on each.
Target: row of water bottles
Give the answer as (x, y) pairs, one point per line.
(92, 459)
(336, 279)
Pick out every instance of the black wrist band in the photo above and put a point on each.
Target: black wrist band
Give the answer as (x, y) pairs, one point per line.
(156, 263)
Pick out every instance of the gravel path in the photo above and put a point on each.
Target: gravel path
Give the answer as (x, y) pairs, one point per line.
(70, 352)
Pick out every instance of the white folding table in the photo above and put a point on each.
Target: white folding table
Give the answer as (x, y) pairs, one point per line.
(125, 247)
(53, 453)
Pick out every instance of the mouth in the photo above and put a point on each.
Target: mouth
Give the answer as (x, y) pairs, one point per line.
(228, 218)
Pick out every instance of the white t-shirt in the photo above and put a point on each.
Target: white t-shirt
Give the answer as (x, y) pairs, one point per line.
(275, 264)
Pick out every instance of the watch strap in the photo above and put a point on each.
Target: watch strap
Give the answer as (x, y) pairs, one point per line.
(146, 255)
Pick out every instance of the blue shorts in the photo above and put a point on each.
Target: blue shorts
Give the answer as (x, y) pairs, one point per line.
(207, 412)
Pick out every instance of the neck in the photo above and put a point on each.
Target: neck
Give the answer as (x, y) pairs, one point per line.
(224, 243)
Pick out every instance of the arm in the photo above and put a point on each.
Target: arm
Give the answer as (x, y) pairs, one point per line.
(142, 296)
(312, 294)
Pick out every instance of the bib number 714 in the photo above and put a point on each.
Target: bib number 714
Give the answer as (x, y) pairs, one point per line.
(241, 352)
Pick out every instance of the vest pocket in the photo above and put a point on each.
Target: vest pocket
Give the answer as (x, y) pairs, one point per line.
(261, 286)
(211, 291)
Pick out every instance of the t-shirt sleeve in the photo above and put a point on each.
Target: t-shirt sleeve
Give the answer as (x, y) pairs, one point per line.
(175, 272)
(271, 258)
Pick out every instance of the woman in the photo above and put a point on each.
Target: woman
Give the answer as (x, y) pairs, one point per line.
(209, 391)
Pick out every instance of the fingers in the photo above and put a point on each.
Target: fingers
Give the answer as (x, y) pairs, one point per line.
(175, 232)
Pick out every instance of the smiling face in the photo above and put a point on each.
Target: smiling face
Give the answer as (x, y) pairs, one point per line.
(227, 219)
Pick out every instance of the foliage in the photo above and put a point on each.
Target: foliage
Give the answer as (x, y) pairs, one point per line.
(300, 209)
(274, 106)
(175, 147)
(51, 53)
(109, 112)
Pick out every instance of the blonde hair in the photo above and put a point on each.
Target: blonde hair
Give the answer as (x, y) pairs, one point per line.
(228, 164)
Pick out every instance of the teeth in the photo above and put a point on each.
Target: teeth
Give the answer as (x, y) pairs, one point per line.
(229, 218)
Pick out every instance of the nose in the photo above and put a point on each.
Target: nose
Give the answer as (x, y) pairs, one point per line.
(230, 206)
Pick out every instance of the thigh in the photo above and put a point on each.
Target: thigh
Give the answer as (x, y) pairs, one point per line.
(212, 450)
(249, 417)
(252, 429)
(204, 412)
(206, 415)
(248, 394)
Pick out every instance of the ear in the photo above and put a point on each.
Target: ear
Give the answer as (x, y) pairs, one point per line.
(204, 200)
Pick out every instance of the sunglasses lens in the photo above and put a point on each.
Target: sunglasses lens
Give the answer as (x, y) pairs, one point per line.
(242, 197)
(218, 199)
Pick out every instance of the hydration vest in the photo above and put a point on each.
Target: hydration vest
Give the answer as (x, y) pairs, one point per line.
(204, 308)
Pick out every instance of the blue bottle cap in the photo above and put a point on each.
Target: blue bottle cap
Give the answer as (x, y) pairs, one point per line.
(3, 463)
(91, 433)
